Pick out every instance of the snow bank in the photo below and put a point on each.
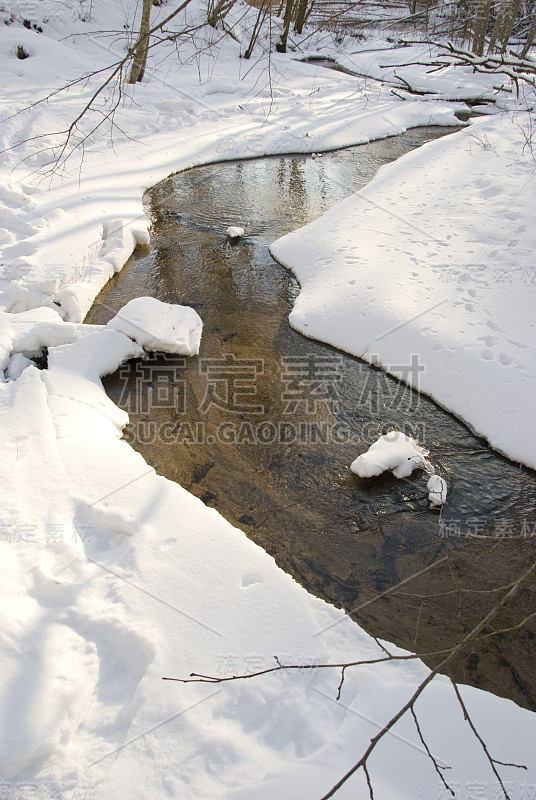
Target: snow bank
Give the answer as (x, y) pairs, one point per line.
(76, 397)
(119, 238)
(29, 333)
(433, 263)
(384, 62)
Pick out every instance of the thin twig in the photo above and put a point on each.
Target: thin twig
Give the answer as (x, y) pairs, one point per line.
(492, 761)
(422, 686)
(341, 683)
(196, 677)
(437, 766)
(369, 782)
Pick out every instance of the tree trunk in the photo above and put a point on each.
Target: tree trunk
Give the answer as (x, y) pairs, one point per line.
(481, 24)
(281, 46)
(497, 25)
(142, 45)
(301, 15)
(218, 11)
(530, 37)
(509, 22)
(256, 28)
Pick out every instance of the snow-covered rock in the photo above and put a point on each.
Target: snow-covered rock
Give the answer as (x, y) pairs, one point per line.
(160, 326)
(395, 452)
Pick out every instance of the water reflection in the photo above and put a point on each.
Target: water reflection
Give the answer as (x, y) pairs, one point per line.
(265, 423)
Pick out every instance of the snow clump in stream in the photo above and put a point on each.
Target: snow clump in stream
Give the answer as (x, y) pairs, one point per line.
(395, 452)
(437, 491)
(235, 232)
(400, 454)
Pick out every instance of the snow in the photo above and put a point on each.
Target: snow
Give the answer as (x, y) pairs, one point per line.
(17, 364)
(76, 398)
(396, 452)
(437, 491)
(113, 577)
(449, 83)
(160, 326)
(234, 232)
(68, 236)
(441, 272)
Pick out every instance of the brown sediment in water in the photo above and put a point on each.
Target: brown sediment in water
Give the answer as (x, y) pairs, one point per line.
(264, 424)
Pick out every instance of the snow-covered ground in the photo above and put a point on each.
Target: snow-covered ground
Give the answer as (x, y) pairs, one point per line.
(432, 265)
(113, 577)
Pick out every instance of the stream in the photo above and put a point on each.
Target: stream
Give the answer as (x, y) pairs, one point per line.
(264, 425)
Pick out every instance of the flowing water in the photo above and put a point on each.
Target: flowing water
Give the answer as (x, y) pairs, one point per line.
(264, 424)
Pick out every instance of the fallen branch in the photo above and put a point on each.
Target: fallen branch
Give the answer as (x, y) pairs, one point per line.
(516, 67)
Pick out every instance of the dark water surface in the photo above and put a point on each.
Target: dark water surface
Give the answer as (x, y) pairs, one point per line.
(264, 424)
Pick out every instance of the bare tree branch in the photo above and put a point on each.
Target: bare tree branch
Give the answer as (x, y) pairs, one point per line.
(492, 761)
(63, 150)
(474, 635)
(369, 782)
(437, 766)
(514, 66)
(195, 677)
(422, 686)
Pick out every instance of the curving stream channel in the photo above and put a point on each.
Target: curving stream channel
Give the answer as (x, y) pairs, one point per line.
(264, 424)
